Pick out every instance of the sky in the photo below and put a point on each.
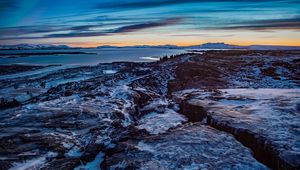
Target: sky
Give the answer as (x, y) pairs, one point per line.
(91, 23)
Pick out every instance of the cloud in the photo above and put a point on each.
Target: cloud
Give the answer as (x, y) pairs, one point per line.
(136, 27)
(145, 3)
(75, 34)
(202, 35)
(271, 24)
(53, 31)
(7, 4)
(23, 30)
(115, 19)
(80, 31)
(135, 4)
(84, 27)
(124, 29)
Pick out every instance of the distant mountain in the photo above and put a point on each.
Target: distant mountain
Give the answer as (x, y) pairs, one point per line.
(251, 47)
(107, 46)
(33, 47)
(142, 46)
(159, 46)
(219, 45)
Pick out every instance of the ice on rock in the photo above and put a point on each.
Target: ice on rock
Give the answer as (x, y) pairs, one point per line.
(157, 123)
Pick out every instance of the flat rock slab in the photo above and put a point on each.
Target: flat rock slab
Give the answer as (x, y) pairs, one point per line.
(192, 146)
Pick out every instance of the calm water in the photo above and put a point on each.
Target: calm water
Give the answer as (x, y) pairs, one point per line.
(101, 56)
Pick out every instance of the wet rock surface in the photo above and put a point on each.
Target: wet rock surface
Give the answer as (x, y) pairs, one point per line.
(185, 112)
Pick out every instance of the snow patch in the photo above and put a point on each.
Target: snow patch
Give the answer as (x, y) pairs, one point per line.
(150, 58)
(109, 71)
(142, 146)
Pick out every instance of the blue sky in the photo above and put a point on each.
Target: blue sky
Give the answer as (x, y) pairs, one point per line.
(135, 22)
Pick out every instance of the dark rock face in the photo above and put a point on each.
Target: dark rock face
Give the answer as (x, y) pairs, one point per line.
(4, 165)
(193, 112)
(146, 115)
(8, 104)
(263, 149)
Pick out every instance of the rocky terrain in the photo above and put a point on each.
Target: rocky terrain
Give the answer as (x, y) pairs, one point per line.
(234, 109)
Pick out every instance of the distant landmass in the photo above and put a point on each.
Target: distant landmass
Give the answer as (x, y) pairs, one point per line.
(143, 46)
(218, 45)
(33, 47)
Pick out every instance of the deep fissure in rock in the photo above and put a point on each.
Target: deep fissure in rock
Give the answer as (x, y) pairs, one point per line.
(261, 148)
